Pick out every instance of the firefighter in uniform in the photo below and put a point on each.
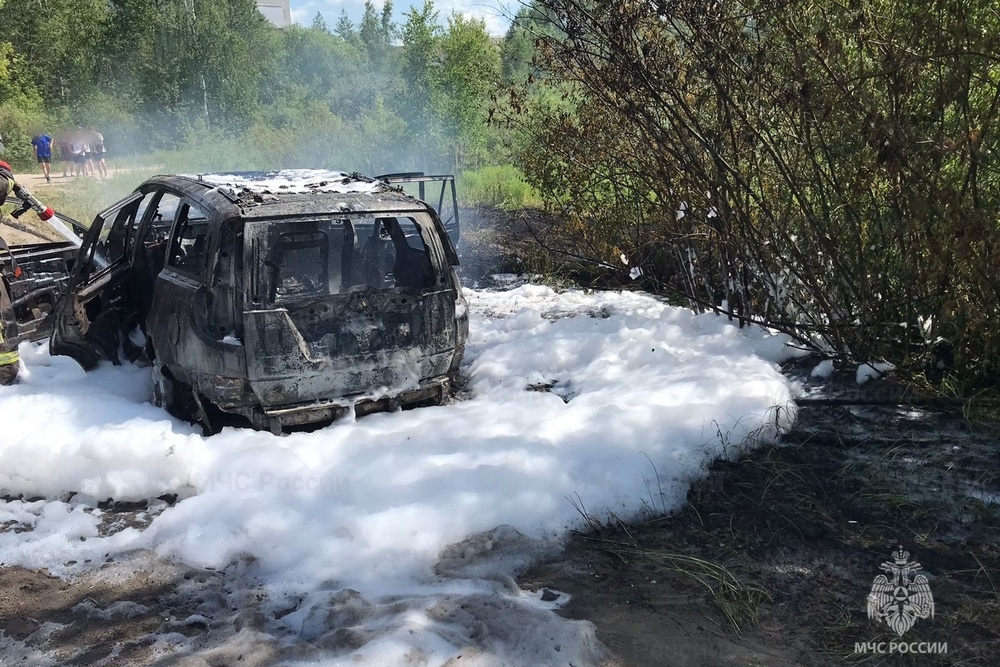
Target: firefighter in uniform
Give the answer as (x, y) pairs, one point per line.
(9, 360)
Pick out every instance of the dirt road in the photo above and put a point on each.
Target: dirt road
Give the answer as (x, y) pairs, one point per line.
(35, 181)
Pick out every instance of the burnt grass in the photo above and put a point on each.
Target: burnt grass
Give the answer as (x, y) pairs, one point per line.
(523, 242)
(772, 558)
(780, 547)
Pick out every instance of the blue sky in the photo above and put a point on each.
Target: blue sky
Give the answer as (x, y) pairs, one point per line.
(494, 12)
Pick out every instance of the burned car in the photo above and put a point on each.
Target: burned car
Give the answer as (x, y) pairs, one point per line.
(282, 298)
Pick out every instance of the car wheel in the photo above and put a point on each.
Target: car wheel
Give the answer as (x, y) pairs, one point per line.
(8, 373)
(135, 345)
(172, 395)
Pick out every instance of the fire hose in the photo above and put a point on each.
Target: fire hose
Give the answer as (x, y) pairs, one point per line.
(28, 201)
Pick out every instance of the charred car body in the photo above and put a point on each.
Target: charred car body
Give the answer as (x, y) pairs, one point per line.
(282, 298)
(33, 279)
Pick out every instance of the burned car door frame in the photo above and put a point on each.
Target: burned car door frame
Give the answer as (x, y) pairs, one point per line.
(89, 323)
(192, 323)
(36, 275)
(445, 203)
(112, 286)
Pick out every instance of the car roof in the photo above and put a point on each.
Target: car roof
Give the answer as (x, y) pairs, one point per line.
(289, 192)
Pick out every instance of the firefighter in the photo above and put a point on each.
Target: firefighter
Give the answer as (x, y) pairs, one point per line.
(9, 360)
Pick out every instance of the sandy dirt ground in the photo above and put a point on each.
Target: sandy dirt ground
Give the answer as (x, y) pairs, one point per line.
(35, 181)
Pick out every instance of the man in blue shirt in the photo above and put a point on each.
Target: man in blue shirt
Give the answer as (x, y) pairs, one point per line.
(43, 151)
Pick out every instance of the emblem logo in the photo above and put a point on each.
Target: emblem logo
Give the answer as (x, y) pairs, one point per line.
(903, 596)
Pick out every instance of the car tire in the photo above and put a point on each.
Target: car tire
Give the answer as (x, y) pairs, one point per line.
(9, 373)
(172, 395)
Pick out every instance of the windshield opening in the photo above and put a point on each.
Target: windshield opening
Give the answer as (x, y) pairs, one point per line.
(317, 258)
(301, 265)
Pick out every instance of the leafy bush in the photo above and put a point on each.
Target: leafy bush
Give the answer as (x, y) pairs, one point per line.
(18, 125)
(827, 169)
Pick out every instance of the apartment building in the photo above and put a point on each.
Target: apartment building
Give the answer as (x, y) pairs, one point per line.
(277, 12)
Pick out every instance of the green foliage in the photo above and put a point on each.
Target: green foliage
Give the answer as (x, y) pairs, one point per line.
(377, 33)
(311, 65)
(531, 23)
(829, 169)
(19, 126)
(319, 23)
(500, 186)
(419, 63)
(16, 85)
(207, 84)
(186, 64)
(55, 40)
(345, 28)
(375, 146)
(469, 72)
(308, 136)
(450, 78)
(302, 137)
(517, 50)
(198, 85)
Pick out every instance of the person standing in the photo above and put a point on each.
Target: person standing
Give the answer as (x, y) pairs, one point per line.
(10, 362)
(97, 143)
(88, 153)
(43, 153)
(65, 159)
(78, 150)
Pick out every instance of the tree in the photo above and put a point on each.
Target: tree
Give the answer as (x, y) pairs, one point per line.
(16, 84)
(469, 72)
(517, 49)
(319, 23)
(189, 63)
(420, 64)
(421, 57)
(317, 66)
(377, 33)
(345, 29)
(58, 44)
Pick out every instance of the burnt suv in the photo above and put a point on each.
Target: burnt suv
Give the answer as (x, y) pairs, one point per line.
(282, 298)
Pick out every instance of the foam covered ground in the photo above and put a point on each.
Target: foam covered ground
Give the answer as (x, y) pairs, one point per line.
(577, 402)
